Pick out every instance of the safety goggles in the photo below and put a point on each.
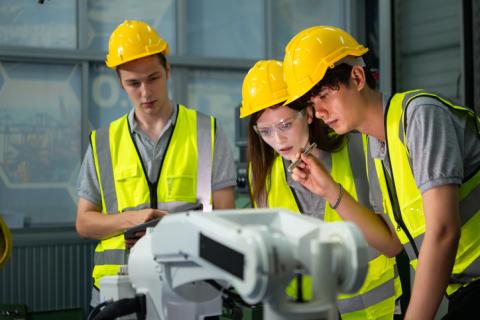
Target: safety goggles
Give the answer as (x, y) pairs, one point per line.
(282, 126)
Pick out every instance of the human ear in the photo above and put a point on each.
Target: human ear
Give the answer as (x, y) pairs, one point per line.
(358, 77)
(119, 78)
(309, 112)
(167, 71)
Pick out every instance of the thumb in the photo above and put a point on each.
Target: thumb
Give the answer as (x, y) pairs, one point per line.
(308, 159)
(312, 163)
(297, 155)
(160, 213)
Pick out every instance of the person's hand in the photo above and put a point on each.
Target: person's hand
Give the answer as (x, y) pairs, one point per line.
(131, 242)
(138, 217)
(313, 176)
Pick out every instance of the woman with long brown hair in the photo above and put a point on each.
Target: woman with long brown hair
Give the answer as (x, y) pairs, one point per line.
(276, 134)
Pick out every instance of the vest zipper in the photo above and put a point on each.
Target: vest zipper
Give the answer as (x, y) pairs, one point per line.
(153, 194)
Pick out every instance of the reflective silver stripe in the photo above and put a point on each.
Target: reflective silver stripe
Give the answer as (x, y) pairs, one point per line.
(401, 129)
(356, 156)
(106, 170)
(406, 99)
(469, 205)
(378, 294)
(412, 94)
(400, 132)
(115, 256)
(204, 169)
(467, 275)
(358, 167)
(139, 207)
(374, 185)
(409, 248)
(167, 206)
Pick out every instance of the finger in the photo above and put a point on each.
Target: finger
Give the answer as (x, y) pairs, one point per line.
(302, 168)
(129, 243)
(296, 177)
(298, 174)
(160, 213)
(300, 178)
(154, 214)
(312, 163)
(307, 158)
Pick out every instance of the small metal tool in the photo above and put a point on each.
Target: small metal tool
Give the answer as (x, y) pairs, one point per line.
(306, 152)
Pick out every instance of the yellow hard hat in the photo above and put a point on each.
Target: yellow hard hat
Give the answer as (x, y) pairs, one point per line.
(311, 52)
(5, 242)
(133, 40)
(263, 87)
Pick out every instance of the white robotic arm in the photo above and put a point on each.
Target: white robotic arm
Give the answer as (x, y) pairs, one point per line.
(254, 251)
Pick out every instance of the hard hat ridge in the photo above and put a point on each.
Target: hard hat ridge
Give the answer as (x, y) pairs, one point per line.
(133, 40)
(311, 52)
(263, 87)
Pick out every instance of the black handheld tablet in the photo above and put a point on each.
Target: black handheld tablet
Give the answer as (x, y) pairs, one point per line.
(130, 233)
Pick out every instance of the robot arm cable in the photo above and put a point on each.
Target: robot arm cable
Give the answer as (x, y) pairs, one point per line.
(110, 310)
(228, 294)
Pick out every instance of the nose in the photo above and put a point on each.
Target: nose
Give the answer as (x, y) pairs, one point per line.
(145, 90)
(320, 112)
(278, 136)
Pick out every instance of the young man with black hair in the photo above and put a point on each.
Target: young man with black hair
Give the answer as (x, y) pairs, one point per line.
(426, 153)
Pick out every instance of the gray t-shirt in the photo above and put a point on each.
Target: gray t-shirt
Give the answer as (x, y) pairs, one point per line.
(443, 143)
(314, 205)
(310, 204)
(152, 152)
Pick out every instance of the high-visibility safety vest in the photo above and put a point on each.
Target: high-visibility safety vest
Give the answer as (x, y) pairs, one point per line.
(376, 298)
(184, 177)
(403, 200)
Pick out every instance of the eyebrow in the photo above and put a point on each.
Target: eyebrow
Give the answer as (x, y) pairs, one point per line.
(323, 89)
(276, 123)
(153, 74)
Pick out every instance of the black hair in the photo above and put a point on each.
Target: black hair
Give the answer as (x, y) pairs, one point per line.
(333, 78)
